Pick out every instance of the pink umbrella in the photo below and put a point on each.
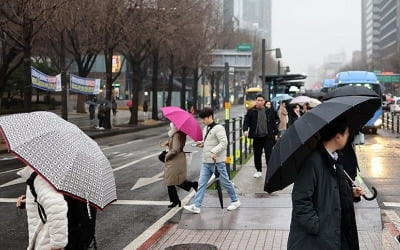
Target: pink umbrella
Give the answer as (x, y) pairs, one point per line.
(300, 99)
(184, 121)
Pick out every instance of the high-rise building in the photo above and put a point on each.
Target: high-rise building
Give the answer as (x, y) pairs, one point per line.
(370, 33)
(250, 15)
(380, 34)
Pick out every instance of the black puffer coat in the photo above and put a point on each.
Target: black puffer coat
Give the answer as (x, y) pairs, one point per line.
(323, 211)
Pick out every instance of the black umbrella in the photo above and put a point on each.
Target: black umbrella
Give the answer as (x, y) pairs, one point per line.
(303, 136)
(218, 186)
(350, 91)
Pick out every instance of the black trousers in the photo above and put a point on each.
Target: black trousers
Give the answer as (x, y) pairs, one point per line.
(260, 143)
(173, 193)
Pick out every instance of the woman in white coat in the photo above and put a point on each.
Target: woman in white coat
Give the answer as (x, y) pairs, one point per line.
(53, 234)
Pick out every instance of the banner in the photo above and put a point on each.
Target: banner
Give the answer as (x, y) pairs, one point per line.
(87, 86)
(45, 82)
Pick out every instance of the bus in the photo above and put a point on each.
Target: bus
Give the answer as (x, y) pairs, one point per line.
(250, 97)
(365, 79)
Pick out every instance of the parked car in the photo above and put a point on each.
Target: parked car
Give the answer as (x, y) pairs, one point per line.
(395, 106)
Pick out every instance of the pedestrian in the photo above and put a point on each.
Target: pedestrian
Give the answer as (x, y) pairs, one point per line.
(92, 111)
(101, 115)
(175, 171)
(294, 114)
(214, 145)
(114, 107)
(53, 234)
(145, 109)
(260, 125)
(305, 108)
(283, 118)
(323, 212)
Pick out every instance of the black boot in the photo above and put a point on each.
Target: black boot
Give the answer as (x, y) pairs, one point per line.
(195, 185)
(174, 204)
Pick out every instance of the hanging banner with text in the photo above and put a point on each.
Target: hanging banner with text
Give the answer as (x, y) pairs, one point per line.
(87, 86)
(45, 82)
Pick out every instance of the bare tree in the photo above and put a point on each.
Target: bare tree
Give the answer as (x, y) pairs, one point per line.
(27, 18)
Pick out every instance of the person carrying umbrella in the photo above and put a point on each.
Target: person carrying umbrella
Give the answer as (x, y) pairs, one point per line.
(323, 211)
(214, 152)
(260, 125)
(175, 166)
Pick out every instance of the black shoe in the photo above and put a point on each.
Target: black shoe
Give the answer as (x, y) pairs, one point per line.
(195, 185)
(174, 204)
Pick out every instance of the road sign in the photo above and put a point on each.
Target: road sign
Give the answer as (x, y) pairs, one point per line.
(388, 78)
(240, 60)
(244, 47)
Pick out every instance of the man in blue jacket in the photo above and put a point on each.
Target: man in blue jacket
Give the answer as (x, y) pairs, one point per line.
(261, 126)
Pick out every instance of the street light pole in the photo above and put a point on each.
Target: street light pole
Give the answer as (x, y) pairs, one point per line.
(263, 86)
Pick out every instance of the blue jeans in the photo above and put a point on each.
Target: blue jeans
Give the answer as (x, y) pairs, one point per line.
(206, 171)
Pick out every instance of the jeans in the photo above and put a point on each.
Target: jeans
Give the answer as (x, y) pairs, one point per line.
(206, 171)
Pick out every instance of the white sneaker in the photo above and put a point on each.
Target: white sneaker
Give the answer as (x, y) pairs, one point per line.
(257, 175)
(233, 205)
(192, 208)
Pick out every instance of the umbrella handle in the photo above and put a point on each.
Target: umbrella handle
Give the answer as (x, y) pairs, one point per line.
(375, 193)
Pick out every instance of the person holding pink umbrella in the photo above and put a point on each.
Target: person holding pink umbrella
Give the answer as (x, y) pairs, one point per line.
(175, 172)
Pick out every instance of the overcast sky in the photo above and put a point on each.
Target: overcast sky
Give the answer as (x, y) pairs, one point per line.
(307, 31)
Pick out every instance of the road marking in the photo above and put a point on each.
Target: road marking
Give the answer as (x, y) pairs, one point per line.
(12, 170)
(13, 182)
(8, 200)
(134, 162)
(391, 204)
(147, 181)
(8, 158)
(136, 243)
(109, 147)
(141, 202)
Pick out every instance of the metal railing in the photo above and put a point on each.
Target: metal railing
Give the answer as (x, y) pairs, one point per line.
(239, 147)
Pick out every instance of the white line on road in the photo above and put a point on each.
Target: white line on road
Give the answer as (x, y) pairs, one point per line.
(12, 170)
(141, 202)
(109, 147)
(13, 182)
(146, 181)
(134, 162)
(391, 204)
(136, 243)
(8, 200)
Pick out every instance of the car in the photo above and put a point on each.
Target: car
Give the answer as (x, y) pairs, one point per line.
(395, 106)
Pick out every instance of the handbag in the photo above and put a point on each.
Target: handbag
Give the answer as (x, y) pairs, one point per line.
(162, 155)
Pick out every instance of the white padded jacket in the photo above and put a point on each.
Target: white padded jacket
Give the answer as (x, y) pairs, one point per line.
(53, 234)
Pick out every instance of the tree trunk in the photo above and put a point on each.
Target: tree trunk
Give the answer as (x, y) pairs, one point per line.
(108, 57)
(154, 83)
(195, 88)
(27, 29)
(64, 93)
(135, 91)
(183, 90)
(170, 82)
(212, 99)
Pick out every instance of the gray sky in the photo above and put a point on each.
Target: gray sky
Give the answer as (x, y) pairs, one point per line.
(309, 30)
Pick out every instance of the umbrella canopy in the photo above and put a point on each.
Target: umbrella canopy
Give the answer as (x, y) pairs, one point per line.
(350, 91)
(283, 97)
(300, 99)
(184, 121)
(218, 187)
(62, 154)
(303, 136)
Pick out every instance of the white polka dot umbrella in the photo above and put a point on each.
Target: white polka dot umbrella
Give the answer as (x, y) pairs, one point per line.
(64, 155)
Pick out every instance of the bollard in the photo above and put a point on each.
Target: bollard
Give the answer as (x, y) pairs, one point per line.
(392, 124)
(234, 143)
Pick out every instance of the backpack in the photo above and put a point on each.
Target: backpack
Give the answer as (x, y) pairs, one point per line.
(81, 226)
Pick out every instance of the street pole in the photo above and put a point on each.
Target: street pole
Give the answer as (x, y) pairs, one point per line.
(227, 112)
(279, 67)
(264, 87)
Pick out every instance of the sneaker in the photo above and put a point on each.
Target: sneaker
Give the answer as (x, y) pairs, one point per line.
(192, 208)
(233, 205)
(257, 175)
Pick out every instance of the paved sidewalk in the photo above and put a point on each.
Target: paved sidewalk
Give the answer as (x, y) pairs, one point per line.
(262, 221)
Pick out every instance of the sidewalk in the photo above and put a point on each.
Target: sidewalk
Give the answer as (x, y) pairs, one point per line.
(262, 221)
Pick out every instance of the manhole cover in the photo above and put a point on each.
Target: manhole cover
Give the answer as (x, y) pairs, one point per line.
(192, 246)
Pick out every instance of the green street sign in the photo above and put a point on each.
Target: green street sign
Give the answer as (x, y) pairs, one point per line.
(244, 47)
(388, 78)
(116, 85)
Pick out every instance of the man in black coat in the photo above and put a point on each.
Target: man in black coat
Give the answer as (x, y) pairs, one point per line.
(323, 213)
(261, 126)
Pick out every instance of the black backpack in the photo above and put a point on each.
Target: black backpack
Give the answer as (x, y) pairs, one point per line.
(81, 228)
